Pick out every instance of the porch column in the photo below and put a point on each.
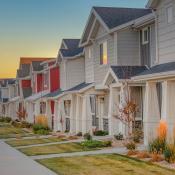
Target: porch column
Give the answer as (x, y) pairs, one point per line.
(55, 114)
(72, 115)
(86, 121)
(151, 116)
(168, 107)
(77, 114)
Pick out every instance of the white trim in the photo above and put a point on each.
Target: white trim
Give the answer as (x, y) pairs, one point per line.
(145, 40)
(168, 74)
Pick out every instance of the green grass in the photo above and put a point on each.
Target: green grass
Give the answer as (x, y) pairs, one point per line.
(54, 149)
(103, 165)
(8, 131)
(35, 141)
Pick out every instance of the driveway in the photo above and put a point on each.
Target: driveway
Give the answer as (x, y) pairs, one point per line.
(12, 162)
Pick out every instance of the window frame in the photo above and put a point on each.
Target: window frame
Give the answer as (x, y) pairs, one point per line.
(102, 52)
(169, 16)
(145, 40)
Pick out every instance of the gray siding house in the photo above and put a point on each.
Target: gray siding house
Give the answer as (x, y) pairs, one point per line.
(160, 84)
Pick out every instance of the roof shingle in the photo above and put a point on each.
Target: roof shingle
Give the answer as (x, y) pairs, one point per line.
(113, 16)
(126, 72)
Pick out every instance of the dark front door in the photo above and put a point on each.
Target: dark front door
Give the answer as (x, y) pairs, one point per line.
(67, 124)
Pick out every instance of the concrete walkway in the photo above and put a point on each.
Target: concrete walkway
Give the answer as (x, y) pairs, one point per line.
(119, 150)
(13, 162)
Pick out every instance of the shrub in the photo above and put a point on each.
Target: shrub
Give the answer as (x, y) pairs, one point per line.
(16, 124)
(130, 146)
(5, 119)
(40, 129)
(87, 136)
(143, 155)
(132, 153)
(158, 145)
(95, 144)
(25, 124)
(137, 136)
(155, 157)
(79, 134)
(169, 153)
(119, 136)
(42, 120)
(100, 133)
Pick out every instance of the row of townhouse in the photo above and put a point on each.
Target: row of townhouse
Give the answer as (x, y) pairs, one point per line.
(122, 52)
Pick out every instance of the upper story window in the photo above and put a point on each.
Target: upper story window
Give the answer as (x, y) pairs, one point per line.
(145, 36)
(103, 53)
(169, 14)
(46, 80)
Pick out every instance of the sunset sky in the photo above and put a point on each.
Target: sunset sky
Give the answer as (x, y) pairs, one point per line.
(36, 27)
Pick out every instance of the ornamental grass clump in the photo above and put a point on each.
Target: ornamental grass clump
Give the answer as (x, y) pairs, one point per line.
(158, 145)
(169, 153)
(42, 120)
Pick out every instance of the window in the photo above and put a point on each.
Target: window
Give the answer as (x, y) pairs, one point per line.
(46, 80)
(170, 14)
(67, 105)
(103, 53)
(42, 107)
(145, 36)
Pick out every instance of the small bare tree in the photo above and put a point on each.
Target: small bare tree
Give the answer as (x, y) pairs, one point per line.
(127, 113)
(21, 114)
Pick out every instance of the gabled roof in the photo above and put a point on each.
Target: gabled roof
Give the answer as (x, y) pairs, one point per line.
(28, 60)
(152, 3)
(71, 43)
(36, 65)
(24, 71)
(161, 69)
(71, 52)
(111, 18)
(79, 87)
(126, 72)
(72, 49)
(114, 16)
(120, 73)
(5, 82)
(54, 94)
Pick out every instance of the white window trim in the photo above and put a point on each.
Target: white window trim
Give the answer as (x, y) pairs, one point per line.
(143, 36)
(169, 20)
(102, 42)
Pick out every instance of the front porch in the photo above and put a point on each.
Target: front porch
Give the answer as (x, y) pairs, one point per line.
(159, 105)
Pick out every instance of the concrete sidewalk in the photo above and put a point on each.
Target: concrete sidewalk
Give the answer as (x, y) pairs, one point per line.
(118, 150)
(13, 162)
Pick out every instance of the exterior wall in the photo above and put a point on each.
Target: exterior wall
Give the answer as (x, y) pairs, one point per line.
(72, 73)
(26, 83)
(89, 66)
(166, 32)
(4, 93)
(63, 75)
(54, 79)
(128, 47)
(101, 70)
(153, 44)
(75, 72)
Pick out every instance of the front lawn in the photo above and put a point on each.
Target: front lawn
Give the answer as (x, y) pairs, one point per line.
(103, 165)
(54, 149)
(9, 131)
(35, 141)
